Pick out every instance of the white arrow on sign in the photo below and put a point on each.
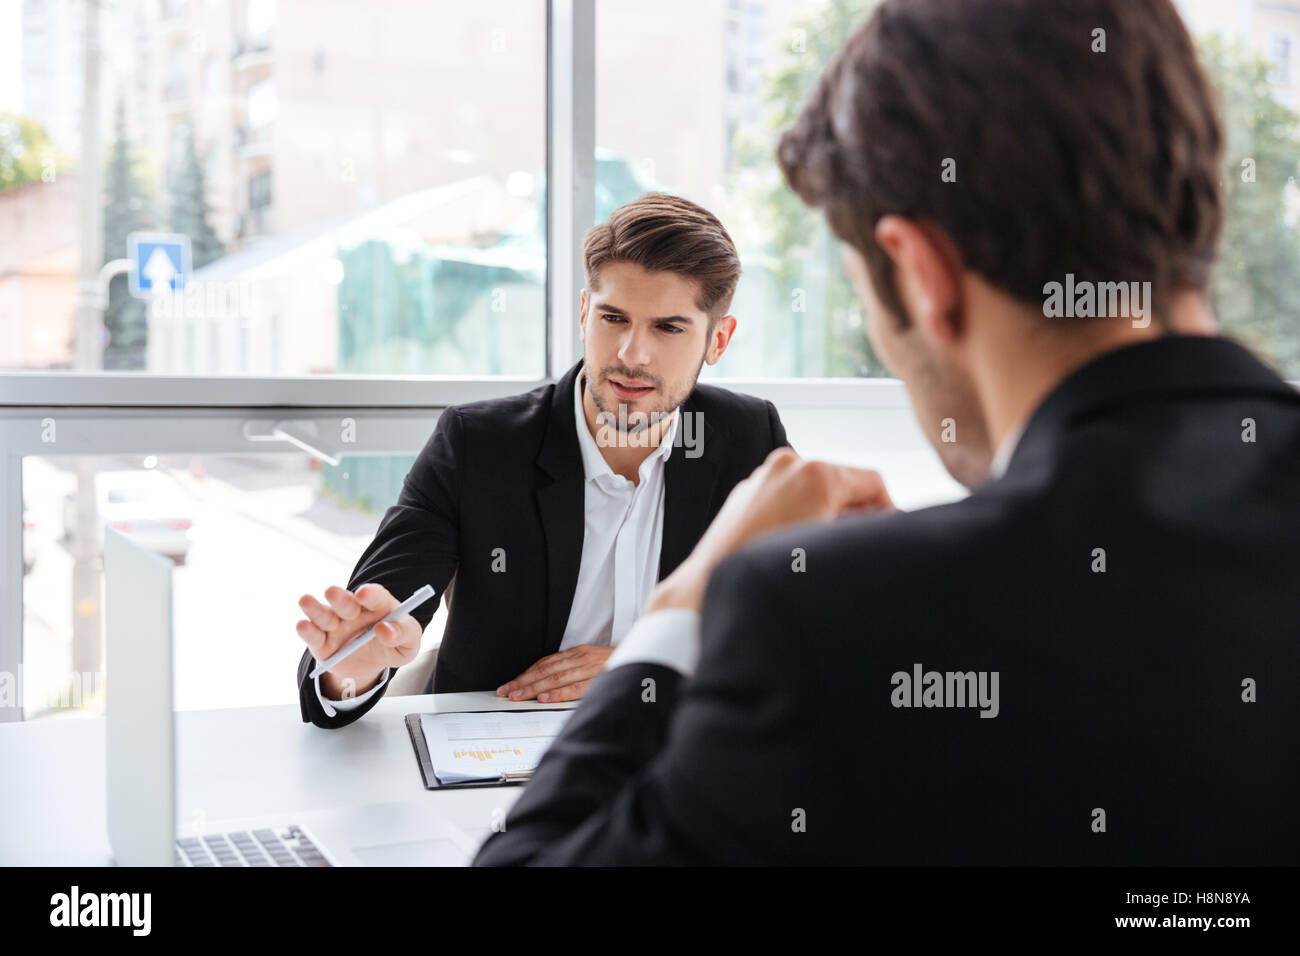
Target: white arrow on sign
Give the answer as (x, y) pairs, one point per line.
(159, 271)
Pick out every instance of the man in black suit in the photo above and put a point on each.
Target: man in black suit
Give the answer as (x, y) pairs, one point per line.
(1092, 659)
(558, 510)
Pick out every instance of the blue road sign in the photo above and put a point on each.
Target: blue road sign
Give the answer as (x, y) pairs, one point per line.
(160, 262)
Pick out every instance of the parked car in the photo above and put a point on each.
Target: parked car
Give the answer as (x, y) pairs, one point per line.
(147, 506)
(29, 546)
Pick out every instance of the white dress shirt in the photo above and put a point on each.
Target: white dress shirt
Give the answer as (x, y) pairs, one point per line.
(671, 637)
(622, 537)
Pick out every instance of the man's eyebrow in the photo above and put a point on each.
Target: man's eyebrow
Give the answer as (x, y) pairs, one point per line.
(609, 307)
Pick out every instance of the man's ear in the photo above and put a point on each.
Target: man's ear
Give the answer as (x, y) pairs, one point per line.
(927, 270)
(720, 338)
(582, 316)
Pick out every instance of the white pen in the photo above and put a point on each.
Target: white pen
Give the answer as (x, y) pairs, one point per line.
(406, 607)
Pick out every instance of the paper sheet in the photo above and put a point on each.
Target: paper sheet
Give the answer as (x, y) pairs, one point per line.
(465, 747)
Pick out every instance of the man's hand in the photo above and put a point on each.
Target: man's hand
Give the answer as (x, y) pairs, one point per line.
(784, 490)
(565, 675)
(329, 628)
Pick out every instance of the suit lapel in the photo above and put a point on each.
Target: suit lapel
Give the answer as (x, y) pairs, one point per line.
(560, 505)
(688, 489)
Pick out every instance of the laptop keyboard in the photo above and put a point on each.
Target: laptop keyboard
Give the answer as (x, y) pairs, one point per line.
(279, 846)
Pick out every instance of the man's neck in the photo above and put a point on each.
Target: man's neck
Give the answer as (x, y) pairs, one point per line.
(1021, 361)
(632, 448)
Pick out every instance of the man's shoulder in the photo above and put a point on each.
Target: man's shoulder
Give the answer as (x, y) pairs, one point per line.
(523, 408)
(739, 423)
(892, 556)
(511, 423)
(727, 405)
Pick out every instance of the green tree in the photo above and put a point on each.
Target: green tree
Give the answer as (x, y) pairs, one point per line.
(129, 208)
(1256, 286)
(189, 202)
(803, 252)
(24, 151)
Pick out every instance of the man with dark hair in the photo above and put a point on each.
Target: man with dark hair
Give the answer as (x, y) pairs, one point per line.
(1093, 658)
(556, 511)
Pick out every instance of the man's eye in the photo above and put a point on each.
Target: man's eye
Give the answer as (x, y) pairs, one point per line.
(608, 317)
(674, 329)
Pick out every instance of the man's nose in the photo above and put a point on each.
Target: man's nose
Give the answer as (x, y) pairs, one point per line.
(635, 347)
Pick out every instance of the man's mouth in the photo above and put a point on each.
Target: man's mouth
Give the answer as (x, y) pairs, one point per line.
(629, 390)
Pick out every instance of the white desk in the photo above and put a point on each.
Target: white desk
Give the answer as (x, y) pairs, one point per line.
(236, 762)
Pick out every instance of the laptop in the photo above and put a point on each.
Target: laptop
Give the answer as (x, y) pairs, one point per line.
(141, 760)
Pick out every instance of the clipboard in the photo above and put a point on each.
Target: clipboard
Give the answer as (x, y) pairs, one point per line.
(422, 757)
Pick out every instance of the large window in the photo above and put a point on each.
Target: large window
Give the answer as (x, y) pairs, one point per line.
(363, 187)
(360, 187)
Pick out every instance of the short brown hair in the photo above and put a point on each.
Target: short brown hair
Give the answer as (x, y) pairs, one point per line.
(663, 233)
(1100, 164)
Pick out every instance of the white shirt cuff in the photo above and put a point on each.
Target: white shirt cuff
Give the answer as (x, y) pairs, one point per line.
(670, 637)
(351, 703)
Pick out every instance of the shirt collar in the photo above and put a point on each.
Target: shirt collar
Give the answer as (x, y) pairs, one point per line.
(593, 462)
(1007, 448)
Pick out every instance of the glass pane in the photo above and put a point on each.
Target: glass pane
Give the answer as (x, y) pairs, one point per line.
(1256, 291)
(249, 535)
(686, 98)
(691, 98)
(358, 186)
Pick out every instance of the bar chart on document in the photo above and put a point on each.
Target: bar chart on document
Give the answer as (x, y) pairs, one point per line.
(482, 746)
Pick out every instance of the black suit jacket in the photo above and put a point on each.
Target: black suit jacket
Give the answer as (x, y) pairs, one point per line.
(1120, 691)
(507, 474)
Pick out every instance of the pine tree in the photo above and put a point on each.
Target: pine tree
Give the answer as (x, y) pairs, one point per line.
(129, 209)
(189, 209)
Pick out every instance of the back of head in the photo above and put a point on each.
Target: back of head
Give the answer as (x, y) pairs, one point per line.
(1044, 138)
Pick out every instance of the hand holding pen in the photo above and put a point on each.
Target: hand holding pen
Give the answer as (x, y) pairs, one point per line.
(355, 637)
